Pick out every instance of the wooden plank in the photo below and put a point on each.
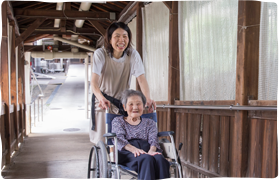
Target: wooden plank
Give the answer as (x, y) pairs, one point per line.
(164, 121)
(205, 142)
(213, 143)
(98, 27)
(207, 112)
(269, 149)
(66, 14)
(224, 146)
(196, 118)
(4, 77)
(262, 103)
(13, 87)
(179, 122)
(183, 134)
(139, 33)
(255, 148)
(189, 148)
(29, 30)
(129, 9)
(268, 115)
(204, 103)
(161, 102)
(168, 4)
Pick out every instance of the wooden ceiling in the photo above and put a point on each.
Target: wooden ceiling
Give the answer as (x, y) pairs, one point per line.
(34, 20)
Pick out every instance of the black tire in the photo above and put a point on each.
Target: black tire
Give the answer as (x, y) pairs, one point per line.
(92, 163)
(103, 162)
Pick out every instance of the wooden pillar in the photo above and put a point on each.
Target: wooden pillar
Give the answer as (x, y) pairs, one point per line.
(174, 73)
(5, 79)
(139, 34)
(20, 90)
(14, 86)
(24, 107)
(246, 81)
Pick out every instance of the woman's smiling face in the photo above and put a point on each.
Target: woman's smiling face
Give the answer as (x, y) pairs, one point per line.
(119, 41)
(134, 106)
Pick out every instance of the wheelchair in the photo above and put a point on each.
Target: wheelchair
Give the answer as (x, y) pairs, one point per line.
(103, 157)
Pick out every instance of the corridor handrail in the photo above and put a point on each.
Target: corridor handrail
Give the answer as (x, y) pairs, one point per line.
(231, 107)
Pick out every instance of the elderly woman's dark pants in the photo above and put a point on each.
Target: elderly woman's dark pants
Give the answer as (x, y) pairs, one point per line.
(148, 167)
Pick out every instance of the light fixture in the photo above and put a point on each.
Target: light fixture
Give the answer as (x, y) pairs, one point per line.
(88, 1)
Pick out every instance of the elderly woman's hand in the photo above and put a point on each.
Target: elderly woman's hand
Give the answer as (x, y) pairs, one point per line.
(150, 103)
(138, 152)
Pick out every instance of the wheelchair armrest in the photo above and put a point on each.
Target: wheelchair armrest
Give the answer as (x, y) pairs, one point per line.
(165, 133)
(110, 135)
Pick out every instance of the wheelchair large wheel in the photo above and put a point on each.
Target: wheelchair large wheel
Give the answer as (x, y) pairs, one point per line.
(93, 171)
(103, 162)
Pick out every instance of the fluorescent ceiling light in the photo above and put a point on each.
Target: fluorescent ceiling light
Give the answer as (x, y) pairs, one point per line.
(89, 1)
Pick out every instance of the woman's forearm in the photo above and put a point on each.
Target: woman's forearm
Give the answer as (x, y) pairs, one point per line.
(94, 86)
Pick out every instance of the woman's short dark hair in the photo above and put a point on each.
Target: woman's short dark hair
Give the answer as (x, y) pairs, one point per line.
(129, 92)
(108, 36)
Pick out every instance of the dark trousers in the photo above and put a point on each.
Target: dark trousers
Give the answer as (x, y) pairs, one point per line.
(148, 167)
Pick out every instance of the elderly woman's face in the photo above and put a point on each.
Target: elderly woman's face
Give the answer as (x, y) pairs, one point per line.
(119, 40)
(134, 106)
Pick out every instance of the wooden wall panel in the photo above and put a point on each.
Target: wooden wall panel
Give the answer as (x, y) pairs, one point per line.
(213, 144)
(205, 142)
(3, 139)
(224, 146)
(269, 149)
(255, 148)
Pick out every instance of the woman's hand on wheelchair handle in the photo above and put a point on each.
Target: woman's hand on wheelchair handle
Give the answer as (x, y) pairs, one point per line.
(104, 103)
(150, 103)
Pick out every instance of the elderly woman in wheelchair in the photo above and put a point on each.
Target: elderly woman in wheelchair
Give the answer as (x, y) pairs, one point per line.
(138, 147)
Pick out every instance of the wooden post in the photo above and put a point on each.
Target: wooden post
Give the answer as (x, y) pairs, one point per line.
(246, 81)
(139, 34)
(4, 80)
(14, 86)
(174, 74)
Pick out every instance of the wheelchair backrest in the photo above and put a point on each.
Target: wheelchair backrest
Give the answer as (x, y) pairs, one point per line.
(110, 117)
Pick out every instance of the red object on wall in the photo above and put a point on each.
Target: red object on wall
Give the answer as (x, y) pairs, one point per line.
(49, 47)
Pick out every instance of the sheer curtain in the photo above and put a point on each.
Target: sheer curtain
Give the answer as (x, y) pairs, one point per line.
(208, 48)
(268, 53)
(156, 48)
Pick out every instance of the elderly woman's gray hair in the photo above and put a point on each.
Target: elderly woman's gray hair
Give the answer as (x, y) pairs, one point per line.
(129, 92)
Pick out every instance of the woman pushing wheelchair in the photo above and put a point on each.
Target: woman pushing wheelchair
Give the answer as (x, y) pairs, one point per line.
(138, 147)
(113, 66)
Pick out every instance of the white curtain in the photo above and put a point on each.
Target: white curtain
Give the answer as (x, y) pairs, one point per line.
(268, 53)
(132, 27)
(156, 48)
(208, 48)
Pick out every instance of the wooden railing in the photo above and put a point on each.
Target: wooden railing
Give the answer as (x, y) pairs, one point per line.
(13, 131)
(207, 137)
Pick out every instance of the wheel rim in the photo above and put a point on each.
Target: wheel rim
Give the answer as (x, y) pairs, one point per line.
(103, 163)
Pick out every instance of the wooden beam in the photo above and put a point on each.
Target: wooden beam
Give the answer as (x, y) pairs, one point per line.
(66, 14)
(13, 86)
(168, 4)
(98, 27)
(12, 18)
(64, 48)
(246, 81)
(67, 6)
(139, 33)
(29, 30)
(5, 80)
(127, 11)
